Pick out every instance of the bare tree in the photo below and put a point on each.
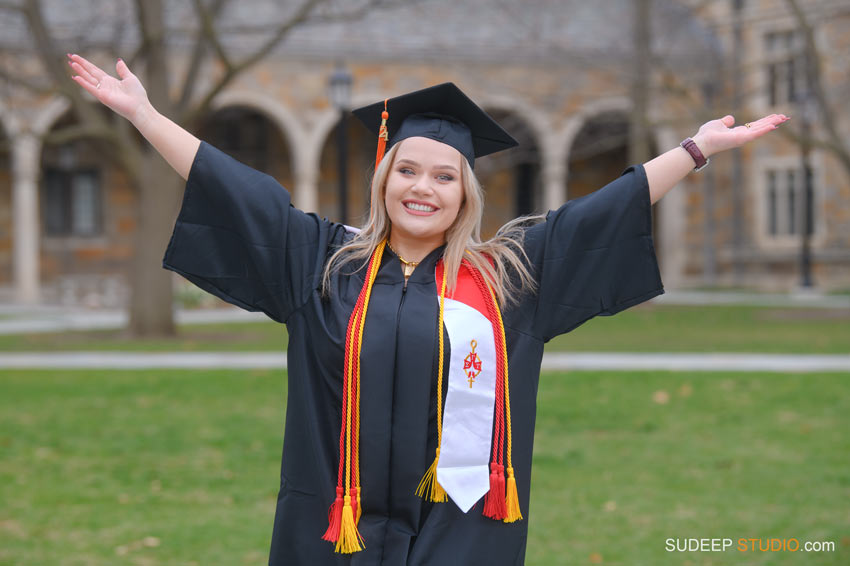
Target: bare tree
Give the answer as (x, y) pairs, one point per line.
(218, 51)
(833, 142)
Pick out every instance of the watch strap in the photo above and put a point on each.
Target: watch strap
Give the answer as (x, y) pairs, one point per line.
(691, 147)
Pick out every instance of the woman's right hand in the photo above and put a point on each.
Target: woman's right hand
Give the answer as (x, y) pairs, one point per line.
(126, 95)
(128, 98)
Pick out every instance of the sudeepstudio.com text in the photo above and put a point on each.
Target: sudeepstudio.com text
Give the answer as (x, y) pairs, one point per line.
(746, 545)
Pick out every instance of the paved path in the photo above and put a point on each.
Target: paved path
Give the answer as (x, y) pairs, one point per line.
(59, 320)
(553, 361)
(22, 319)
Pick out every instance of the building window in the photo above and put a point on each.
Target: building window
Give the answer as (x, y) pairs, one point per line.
(243, 134)
(783, 213)
(72, 203)
(785, 62)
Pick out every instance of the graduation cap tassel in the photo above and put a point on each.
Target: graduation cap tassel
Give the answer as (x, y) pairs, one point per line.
(429, 488)
(383, 136)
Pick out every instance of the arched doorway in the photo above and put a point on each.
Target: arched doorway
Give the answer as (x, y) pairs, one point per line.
(511, 178)
(360, 165)
(87, 221)
(599, 154)
(252, 138)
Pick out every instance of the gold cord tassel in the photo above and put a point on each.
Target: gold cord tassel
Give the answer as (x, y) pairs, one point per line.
(349, 539)
(429, 488)
(512, 499)
(359, 507)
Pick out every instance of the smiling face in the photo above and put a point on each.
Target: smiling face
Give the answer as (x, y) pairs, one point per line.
(424, 193)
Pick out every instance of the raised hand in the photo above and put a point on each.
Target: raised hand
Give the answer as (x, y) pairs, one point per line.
(125, 95)
(719, 135)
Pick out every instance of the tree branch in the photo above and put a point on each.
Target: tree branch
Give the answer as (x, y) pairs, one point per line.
(92, 122)
(152, 26)
(300, 16)
(55, 69)
(231, 72)
(76, 132)
(356, 13)
(27, 84)
(194, 68)
(208, 32)
(815, 82)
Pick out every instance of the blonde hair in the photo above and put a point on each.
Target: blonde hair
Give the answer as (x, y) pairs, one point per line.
(508, 275)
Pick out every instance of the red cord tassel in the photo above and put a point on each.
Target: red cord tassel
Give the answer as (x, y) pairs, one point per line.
(494, 501)
(334, 518)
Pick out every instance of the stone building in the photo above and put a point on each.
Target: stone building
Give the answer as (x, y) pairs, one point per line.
(557, 74)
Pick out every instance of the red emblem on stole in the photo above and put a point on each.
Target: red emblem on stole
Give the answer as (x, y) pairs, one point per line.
(472, 364)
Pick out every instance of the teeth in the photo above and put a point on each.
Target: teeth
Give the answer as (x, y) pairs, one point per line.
(422, 207)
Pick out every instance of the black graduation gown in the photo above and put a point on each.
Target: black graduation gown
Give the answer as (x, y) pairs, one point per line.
(238, 237)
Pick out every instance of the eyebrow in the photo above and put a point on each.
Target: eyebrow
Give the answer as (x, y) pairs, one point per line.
(415, 164)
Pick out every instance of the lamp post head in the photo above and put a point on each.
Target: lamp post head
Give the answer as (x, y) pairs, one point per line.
(339, 88)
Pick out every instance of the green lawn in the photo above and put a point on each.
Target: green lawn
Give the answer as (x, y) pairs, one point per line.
(645, 328)
(181, 467)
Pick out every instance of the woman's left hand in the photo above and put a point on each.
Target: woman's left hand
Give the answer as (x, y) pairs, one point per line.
(719, 135)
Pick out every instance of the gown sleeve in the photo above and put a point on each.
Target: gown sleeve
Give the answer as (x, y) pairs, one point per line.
(594, 255)
(238, 237)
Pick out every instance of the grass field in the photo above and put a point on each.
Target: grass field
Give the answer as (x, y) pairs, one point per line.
(181, 467)
(645, 328)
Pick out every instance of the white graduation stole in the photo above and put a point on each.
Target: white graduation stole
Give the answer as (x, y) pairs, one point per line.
(463, 467)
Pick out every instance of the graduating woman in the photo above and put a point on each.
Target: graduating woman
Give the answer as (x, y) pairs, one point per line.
(414, 346)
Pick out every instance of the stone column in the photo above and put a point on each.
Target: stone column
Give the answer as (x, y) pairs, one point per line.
(306, 180)
(554, 173)
(25, 218)
(672, 219)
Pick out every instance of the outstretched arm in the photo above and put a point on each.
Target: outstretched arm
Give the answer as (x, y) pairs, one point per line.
(666, 170)
(127, 97)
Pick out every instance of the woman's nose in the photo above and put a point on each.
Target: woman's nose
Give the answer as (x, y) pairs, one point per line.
(423, 185)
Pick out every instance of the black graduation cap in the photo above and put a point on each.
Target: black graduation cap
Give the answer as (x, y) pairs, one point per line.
(443, 113)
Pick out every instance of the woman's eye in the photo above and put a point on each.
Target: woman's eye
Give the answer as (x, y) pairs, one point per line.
(446, 178)
(405, 170)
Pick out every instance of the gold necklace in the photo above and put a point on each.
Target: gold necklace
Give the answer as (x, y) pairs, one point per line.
(411, 265)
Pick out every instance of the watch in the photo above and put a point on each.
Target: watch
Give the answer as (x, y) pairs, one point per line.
(691, 147)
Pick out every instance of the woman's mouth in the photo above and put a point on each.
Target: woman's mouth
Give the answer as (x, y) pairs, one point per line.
(419, 208)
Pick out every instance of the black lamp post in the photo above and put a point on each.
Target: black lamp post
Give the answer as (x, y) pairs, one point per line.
(339, 92)
(807, 115)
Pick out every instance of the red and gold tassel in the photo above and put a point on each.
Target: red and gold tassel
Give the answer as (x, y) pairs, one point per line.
(343, 517)
(349, 539)
(511, 496)
(494, 500)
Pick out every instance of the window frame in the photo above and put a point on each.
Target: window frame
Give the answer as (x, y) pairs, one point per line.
(67, 176)
(782, 164)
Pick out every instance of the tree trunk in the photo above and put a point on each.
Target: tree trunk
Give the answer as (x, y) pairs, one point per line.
(639, 146)
(160, 192)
